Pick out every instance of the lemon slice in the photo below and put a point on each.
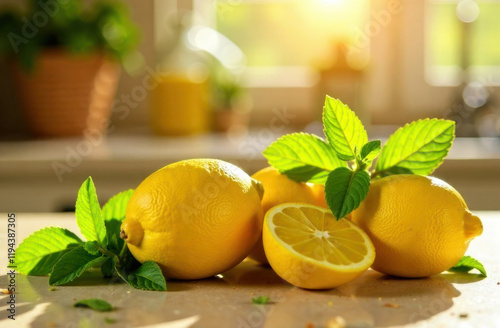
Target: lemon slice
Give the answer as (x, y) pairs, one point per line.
(309, 248)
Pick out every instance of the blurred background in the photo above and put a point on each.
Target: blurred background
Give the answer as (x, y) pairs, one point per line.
(118, 89)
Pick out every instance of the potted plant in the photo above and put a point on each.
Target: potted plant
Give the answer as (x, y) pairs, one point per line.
(65, 61)
(231, 102)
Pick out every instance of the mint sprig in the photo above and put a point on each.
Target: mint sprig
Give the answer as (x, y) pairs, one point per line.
(72, 265)
(88, 213)
(343, 129)
(95, 304)
(39, 252)
(66, 257)
(468, 263)
(303, 157)
(416, 148)
(346, 189)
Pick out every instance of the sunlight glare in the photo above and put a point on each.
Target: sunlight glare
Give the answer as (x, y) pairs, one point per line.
(331, 2)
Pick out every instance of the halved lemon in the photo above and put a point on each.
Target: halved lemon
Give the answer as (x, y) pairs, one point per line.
(309, 248)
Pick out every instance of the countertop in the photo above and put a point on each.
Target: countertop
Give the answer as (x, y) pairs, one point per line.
(373, 300)
(49, 172)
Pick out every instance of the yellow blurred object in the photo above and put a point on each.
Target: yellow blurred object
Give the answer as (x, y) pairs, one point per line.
(319, 193)
(420, 226)
(195, 218)
(179, 106)
(279, 189)
(309, 248)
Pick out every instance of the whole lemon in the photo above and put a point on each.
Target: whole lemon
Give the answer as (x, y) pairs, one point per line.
(420, 226)
(280, 189)
(195, 218)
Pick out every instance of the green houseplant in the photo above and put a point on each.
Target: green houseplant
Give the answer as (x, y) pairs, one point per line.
(230, 100)
(64, 58)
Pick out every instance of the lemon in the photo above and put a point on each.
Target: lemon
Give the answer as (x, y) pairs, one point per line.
(420, 226)
(319, 194)
(309, 248)
(280, 189)
(195, 218)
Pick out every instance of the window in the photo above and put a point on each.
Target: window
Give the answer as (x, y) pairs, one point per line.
(461, 34)
(290, 32)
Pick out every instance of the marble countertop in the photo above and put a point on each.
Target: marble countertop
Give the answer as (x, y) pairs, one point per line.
(373, 300)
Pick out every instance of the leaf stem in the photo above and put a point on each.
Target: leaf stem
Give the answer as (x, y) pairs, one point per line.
(106, 252)
(122, 252)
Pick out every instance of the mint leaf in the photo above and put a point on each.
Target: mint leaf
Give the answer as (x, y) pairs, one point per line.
(95, 304)
(116, 206)
(115, 243)
(345, 190)
(72, 265)
(108, 267)
(88, 213)
(148, 276)
(38, 253)
(343, 129)
(261, 300)
(302, 157)
(91, 247)
(418, 148)
(370, 150)
(468, 263)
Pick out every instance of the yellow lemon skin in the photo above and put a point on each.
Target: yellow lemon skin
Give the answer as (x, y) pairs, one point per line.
(195, 218)
(420, 226)
(319, 194)
(280, 189)
(305, 272)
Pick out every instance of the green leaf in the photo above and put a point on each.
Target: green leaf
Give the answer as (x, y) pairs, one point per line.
(38, 253)
(419, 147)
(91, 247)
(108, 267)
(95, 304)
(302, 157)
(109, 320)
(343, 129)
(261, 300)
(345, 190)
(116, 206)
(88, 213)
(148, 276)
(370, 150)
(72, 265)
(115, 243)
(468, 263)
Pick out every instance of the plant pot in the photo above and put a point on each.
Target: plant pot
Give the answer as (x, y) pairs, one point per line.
(229, 119)
(67, 94)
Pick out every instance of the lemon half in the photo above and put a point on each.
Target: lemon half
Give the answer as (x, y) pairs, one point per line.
(309, 248)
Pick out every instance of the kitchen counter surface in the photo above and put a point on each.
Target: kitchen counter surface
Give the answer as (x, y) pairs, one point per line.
(49, 172)
(373, 300)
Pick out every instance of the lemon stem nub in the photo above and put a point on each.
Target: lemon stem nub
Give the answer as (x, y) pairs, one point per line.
(132, 232)
(259, 187)
(123, 235)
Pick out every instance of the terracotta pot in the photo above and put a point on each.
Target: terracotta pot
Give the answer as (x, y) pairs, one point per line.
(67, 94)
(224, 120)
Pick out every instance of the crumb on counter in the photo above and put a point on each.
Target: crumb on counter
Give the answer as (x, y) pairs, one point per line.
(392, 305)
